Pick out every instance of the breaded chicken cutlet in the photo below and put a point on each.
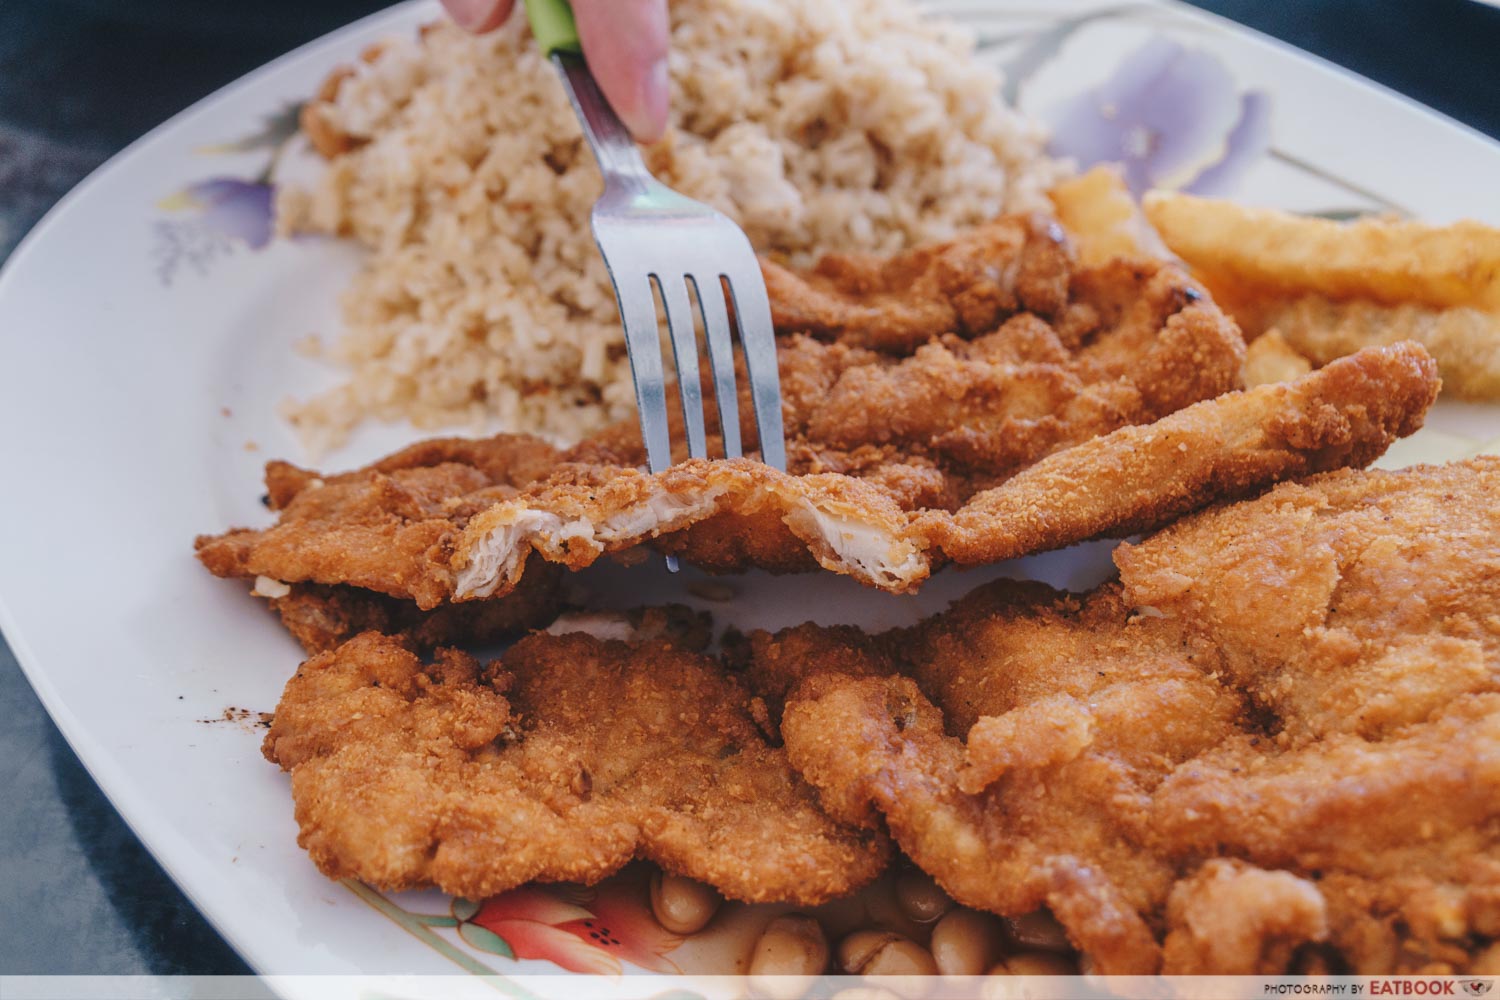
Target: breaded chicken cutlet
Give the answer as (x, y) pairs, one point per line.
(562, 761)
(1273, 738)
(411, 531)
(1278, 733)
(1066, 354)
(965, 286)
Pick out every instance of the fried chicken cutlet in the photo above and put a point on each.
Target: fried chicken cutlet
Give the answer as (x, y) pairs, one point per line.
(562, 761)
(1279, 730)
(396, 533)
(1075, 353)
(965, 286)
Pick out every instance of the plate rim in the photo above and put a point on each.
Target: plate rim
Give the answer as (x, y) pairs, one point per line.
(103, 770)
(1228, 24)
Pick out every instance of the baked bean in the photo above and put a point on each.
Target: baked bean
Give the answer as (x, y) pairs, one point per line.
(965, 943)
(791, 950)
(1036, 963)
(1038, 931)
(919, 896)
(682, 905)
(881, 953)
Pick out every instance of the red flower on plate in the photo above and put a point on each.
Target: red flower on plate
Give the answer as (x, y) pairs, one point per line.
(623, 918)
(593, 934)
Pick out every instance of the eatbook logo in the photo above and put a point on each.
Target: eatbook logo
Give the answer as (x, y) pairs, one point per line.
(1478, 987)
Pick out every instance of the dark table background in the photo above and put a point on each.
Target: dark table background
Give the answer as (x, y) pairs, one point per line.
(79, 79)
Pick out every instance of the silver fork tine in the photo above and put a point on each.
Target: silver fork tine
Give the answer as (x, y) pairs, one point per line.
(758, 340)
(638, 312)
(674, 298)
(720, 359)
(642, 227)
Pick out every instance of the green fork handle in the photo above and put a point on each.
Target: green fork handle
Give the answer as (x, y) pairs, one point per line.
(553, 26)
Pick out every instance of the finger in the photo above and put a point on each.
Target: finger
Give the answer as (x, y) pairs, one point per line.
(625, 43)
(479, 15)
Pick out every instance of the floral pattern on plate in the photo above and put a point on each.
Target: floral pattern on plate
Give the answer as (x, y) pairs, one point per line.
(595, 930)
(581, 930)
(209, 218)
(1172, 117)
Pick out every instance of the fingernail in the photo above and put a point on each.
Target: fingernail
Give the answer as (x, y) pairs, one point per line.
(650, 118)
(469, 14)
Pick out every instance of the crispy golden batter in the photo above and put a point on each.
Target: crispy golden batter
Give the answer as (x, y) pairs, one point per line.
(383, 527)
(1269, 358)
(388, 532)
(873, 436)
(966, 286)
(411, 533)
(506, 460)
(1139, 478)
(1280, 729)
(563, 761)
(956, 415)
(1052, 692)
(1146, 344)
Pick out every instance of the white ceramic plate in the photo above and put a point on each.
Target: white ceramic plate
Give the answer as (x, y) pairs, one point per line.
(143, 351)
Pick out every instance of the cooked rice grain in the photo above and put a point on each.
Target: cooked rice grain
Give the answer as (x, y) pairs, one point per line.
(858, 125)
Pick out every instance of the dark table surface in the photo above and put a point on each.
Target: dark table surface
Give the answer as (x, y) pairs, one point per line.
(79, 79)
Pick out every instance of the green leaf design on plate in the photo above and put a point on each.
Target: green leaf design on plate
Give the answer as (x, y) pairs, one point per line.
(1344, 214)
(275, 129)
(464, 909)
(433, 920)
(1382, 203)
(485, 940)
(1018, 70)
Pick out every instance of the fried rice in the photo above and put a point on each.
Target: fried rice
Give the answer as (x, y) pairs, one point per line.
(483, 303)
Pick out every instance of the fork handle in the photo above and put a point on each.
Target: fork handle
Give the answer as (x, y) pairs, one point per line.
(553, 26)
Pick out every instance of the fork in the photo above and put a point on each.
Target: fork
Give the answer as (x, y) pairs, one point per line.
(648, 232)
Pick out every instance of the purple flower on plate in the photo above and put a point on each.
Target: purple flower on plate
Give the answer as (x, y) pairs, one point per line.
(213, 216)
(231, 207)
(1172, 117)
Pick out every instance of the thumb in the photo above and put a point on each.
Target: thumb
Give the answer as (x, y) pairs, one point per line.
(625, 43)
(479, 15)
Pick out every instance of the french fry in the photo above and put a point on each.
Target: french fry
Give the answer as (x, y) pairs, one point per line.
(1391, 262)
(1331, 288)
(1103, 218)
(1465, 341)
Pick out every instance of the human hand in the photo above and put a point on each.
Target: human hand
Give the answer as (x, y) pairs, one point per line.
(624, 42)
